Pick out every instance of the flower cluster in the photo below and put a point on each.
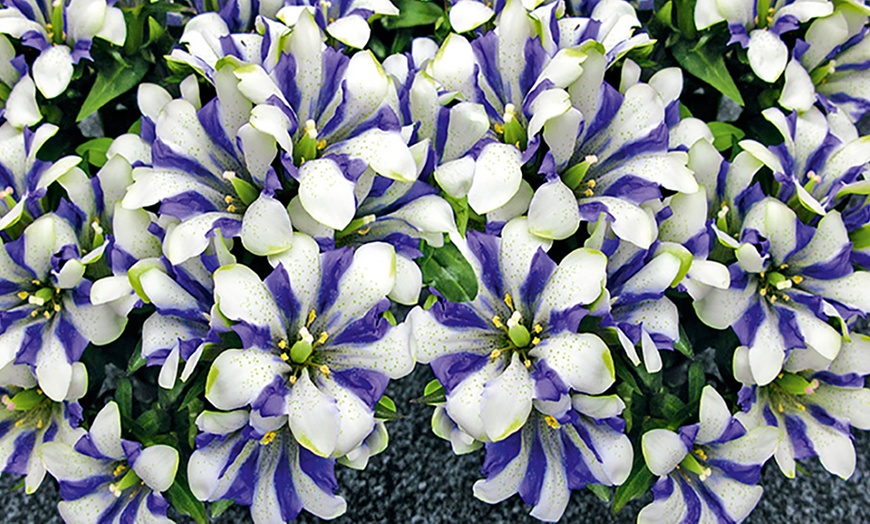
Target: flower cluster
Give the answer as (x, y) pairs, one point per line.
(297, 202)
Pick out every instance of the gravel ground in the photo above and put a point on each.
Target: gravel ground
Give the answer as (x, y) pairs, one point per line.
(418, 480)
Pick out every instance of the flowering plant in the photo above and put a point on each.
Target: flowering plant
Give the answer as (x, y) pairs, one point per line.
(627, 242)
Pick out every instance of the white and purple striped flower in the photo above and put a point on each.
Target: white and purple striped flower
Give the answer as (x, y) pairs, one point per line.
(318, 346)
(708, 472)
(814, 402)
(104, 478)
(62, 33)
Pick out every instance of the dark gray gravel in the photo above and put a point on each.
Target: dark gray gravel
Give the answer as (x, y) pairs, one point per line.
(418, 480)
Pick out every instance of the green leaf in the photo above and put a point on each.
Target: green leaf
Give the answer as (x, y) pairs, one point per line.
(686, 17)
(445, 269)
(637, 483)
(124, 396)
(112, 82)
(137, 361)
(600, 491)
(697, 381)
(414, 13)
(154, 421)
(96, 150)
(460, 209)
(683, 345)
(725, 135)
(669, 407)
(385, 409)
(706, 62)
(182, 499)
(434, 393)
(219, 506)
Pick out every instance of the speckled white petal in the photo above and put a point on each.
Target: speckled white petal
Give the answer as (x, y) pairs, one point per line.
(302, 264)
(99, 324)
(114, 29)
(313, 417)
(190, 238)
(266, 228)
(468, 123)
(314, 500)
(156, 466)
(560, 134)
(582, 361)
(455, 176)
(21, 107)
(368, 280)
(767, 352)
(640, 113)
(164, 292)
(466, 15)
(353, 31)
(720, 308)
(578, 279)
(241, 295)
(106, 431)
(630, 222)
(497, 177)
(517, 249)
(737, 499)
(818, 335)
(435, 340)
(663, 450)
(499, 487)
(506, 401)
(355, 420)
(326, 194)
(463, 403)
(799, 93)
(453, 66)
(237, 377)
(169, 370)
(409, 281)
(272, 121)
(849, 290)
(53, 371)
(384, 151)
(767, 55)
(554, 487)
(829, 239)
(553, 211)
(392, 355)
(53, 70)
(836, 450)
(714, 415)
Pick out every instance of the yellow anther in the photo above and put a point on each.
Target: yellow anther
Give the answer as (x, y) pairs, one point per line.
(779, 408)
(763, 292)
(301, 160)
(268, 438)
(537, 328)
(292, 379)
(324, 369)
(46, 314)
(285, 357)
(802, 407)
(495, 354)
(552, 422)
(229, 199)
(797, 279)
(34, 313)
(36, 282)
(527, 363)
(588, 192)
(119, 469)
(497, 322)
(508, 300)
(19, 422)
(536, 341)
(39, 391)
(701, 454)
(39, 424)
(311, 316)
(321, 144)
(364, 231)
(772, 299)
(23, 295)
(231, 208)
(282, 344)
(590, 183)
(786, 298)
(322, 338)
(499, 128)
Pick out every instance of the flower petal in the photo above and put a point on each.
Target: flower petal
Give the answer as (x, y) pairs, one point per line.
(266, 228)
(582, 361)
(506, 401)
(238, 376)
(497, 177)
(53, 70)
(313, 417)
(663, 450)
(326, 194)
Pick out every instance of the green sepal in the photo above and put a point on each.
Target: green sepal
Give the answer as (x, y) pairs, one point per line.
(27, 399)
(246, 191)
(385, 409)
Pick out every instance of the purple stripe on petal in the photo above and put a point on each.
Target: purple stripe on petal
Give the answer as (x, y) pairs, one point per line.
(334, 264)
(367, 330)
(15, 249)
(747, 325)
(541, 268)
(454, 315)
(132, 450)
(50, 433)
(733, 431)
(156, 504)
(769, 418)
(633, 189)
(548, 383)
(800, 441)
(186, 205)
(253, 336)
(819, 413)
(838, 266)
(530, 487)
(485, 50)
(164, 156)
(746, 473)
(31, 344)
(535, 58)
(86, 446)
(451, 370)
(592, 211)
(567, 319)
(609, 104)
(500, 454)
(368, 385)
(21, 450)
(576, 470)
(584, 435)
(245, 482)
(128, 516)
(850, 380)
(288, 500)
(73, 342)
(692, 501)
(784, 24)
(788, 328)
(713, 503)
(688, 434)
(76, 489)
(5, 426)
(486, 249)
(278, 284)
(319, 469)
(663, 488)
